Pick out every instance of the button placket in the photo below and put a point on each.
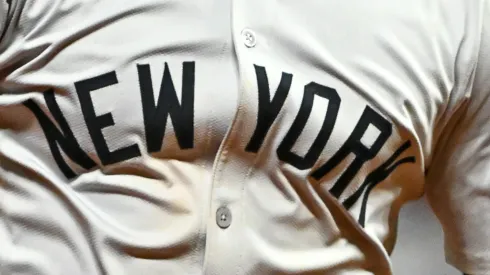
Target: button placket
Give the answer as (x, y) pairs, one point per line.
(226, 228)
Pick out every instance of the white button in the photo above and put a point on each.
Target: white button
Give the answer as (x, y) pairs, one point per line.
(249, 38)
(223, 217)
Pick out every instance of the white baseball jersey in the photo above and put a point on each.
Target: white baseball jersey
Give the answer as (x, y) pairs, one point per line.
(239, 137)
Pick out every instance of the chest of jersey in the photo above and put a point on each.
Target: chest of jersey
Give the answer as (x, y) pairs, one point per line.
(158, 113)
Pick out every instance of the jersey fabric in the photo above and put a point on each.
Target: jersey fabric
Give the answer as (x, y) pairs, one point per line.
(239, 137)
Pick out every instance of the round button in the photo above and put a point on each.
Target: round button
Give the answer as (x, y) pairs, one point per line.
(249, 38)
(223, 217)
